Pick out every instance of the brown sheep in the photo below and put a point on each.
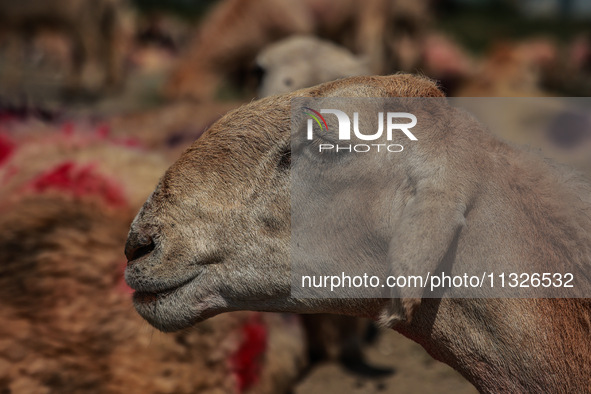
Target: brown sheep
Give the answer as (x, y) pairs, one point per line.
(510, 70)
(65, 206)
(215, 235)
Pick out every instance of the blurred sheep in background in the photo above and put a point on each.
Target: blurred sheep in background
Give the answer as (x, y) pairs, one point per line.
(67, 199)
(303, 61)
(385, 32)
(511, 70)
(94, 37)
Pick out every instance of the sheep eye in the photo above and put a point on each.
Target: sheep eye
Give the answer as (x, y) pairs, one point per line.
(288, 81)
(284, 160)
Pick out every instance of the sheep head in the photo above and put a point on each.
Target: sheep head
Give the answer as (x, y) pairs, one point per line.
(215, 234)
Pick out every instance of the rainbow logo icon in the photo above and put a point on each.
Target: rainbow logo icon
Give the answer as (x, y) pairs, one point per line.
(317, 117)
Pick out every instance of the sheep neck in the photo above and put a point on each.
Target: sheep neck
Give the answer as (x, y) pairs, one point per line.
(509, 345)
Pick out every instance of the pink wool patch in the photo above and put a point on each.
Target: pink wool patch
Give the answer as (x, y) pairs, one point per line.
(6, 149)
(79, 181)
(247, 362)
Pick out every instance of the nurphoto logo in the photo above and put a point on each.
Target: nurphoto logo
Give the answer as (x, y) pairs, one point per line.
(344, 121)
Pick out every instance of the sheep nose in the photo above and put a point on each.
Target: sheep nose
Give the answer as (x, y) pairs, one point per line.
(138, 245)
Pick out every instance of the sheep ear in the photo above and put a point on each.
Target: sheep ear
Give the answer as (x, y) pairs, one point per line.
(422, 237)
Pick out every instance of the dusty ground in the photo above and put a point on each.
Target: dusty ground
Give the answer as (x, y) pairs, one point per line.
(414, 372)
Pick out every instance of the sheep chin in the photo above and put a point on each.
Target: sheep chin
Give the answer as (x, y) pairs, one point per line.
(178, 308)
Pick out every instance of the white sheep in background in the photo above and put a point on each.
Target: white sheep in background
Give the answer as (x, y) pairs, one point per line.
(303, 61)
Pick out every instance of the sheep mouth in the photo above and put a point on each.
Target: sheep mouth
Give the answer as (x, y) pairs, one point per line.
(149, 297)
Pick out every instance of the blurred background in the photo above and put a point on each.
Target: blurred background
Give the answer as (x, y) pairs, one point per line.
(99, 97)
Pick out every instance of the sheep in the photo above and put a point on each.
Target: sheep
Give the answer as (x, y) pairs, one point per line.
(511, 70)
(215, 235)
(66, 201)
(386, 33)
(303, 61)
(95, 30)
